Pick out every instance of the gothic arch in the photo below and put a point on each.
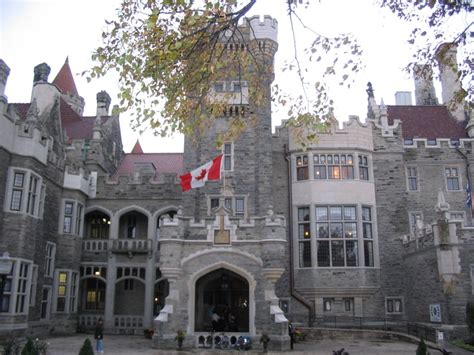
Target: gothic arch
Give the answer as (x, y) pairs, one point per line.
(213, 267)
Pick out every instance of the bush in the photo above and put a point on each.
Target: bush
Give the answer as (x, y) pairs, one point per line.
(470, 318)
(11, 346)
(422, 349)
(86, 348)
(34, 347)
(29, 349)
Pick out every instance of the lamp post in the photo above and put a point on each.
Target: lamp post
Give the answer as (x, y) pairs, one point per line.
(5, 268)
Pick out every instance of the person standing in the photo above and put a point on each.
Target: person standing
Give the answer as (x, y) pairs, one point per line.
(99, 337)
(291, 333)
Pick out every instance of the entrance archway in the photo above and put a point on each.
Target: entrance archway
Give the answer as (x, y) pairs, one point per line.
(226, 293)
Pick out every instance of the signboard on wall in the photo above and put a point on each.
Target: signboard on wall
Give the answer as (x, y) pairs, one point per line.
(435, 313)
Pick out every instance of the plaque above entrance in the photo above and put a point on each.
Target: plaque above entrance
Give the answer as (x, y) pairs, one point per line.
(221, 235)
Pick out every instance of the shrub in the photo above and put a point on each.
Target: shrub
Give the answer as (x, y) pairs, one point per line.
(422, 349)
(34, 347)
(86, 348)
(11, 346)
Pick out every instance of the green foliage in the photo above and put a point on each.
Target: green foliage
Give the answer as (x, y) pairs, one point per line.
(11, 346)
(34, 347)
(180, 335)
(86, 348)
(264, 338)
(169, 55)
(422, 349)
(462, 344)
(470, 317)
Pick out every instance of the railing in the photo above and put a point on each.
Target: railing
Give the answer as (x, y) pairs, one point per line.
(372, 323)
(95, 245)
(89, 320)
(129, 322)
(132, 246)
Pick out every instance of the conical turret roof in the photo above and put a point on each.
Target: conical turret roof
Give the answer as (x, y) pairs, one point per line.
(64, 80)
(137, 149)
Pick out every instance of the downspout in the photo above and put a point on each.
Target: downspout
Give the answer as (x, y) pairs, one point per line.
(293, 292)
(468, 173)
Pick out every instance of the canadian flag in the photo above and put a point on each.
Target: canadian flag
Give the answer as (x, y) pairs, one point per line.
(198, 177)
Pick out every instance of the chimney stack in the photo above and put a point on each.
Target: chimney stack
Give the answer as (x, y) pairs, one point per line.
(41, 73)
(446, 56)
(4, 73)
(103, 103)
(425, 94)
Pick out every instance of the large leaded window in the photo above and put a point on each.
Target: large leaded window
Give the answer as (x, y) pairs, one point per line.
(452, 178)
(25, 192)
(336, 235)
(302, 167)
(333, 166)
(66, 291)
(363, 167)
(412, 178)
(72, 217)
(343, 236)
(16, 289)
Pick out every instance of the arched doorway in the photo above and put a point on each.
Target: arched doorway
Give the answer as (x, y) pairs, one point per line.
(226, 293)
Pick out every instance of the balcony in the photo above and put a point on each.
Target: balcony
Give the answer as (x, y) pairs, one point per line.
(95, 245)
(132, 246)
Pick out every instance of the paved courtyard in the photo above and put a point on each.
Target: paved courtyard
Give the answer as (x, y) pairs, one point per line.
(131, 345)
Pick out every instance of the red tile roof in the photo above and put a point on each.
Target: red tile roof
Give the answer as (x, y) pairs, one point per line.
(76, 127)
(64, 79)
(163, 162)
(428, 122)
(137, 149)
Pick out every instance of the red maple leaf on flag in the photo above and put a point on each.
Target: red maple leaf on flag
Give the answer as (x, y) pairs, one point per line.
(201, 175)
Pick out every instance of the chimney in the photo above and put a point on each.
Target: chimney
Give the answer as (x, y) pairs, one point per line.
(425, 94)
(446, 56)
(41, 73)
(4, 72)
(103, 103)
(403, 98)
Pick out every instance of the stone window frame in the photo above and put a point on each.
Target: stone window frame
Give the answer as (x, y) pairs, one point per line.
(37, 194)
(348, 304)
(211, 203)
(302, 167)
(34, 285)
(50, 259)
(334, 166)
(328, 304)
(228, 156)
(18, 291)
(412, 220)
(285, 301)
(71, 291)
(448, 171)
(409, 169)
(46, 302)
(393, 299)
(76, 215)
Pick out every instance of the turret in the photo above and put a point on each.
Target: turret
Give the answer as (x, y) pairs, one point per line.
(64, 81)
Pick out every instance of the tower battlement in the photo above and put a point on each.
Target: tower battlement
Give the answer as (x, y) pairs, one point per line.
(266, 29)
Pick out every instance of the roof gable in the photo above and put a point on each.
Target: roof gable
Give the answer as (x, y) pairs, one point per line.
(64, 80)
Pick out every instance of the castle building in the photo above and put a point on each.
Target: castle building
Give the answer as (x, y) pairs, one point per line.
(370, 221)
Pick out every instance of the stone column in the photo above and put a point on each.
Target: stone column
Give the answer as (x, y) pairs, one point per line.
(110, 292)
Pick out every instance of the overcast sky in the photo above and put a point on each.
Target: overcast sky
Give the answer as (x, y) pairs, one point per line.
(36, 31)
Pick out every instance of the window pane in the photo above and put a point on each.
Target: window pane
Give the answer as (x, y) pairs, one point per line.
(322, 230)
(336, 213)
(239, 205)
(352, 253)
(323, 253)
(18, 179)
(334, 172)
(321, 213)
(366, 214)
(304, 231)
(367, 230)
(67, 224)
(303, 214)
(68, 208)
(350, 230)
(337, 253)
(16, 200)
(350, 213)
(368, 253)
(336, 230)
(305, 254)
(320, 172)
(347, 172)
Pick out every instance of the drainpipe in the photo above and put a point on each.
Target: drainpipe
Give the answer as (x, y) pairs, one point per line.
(468, 173)
(293, 292)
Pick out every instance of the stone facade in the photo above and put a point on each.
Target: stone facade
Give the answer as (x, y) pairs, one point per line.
(370, 221)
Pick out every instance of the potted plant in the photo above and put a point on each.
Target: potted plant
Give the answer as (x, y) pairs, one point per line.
(180, 335)
(264, 340)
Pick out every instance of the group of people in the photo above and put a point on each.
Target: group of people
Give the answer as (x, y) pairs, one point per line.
(223, 321)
